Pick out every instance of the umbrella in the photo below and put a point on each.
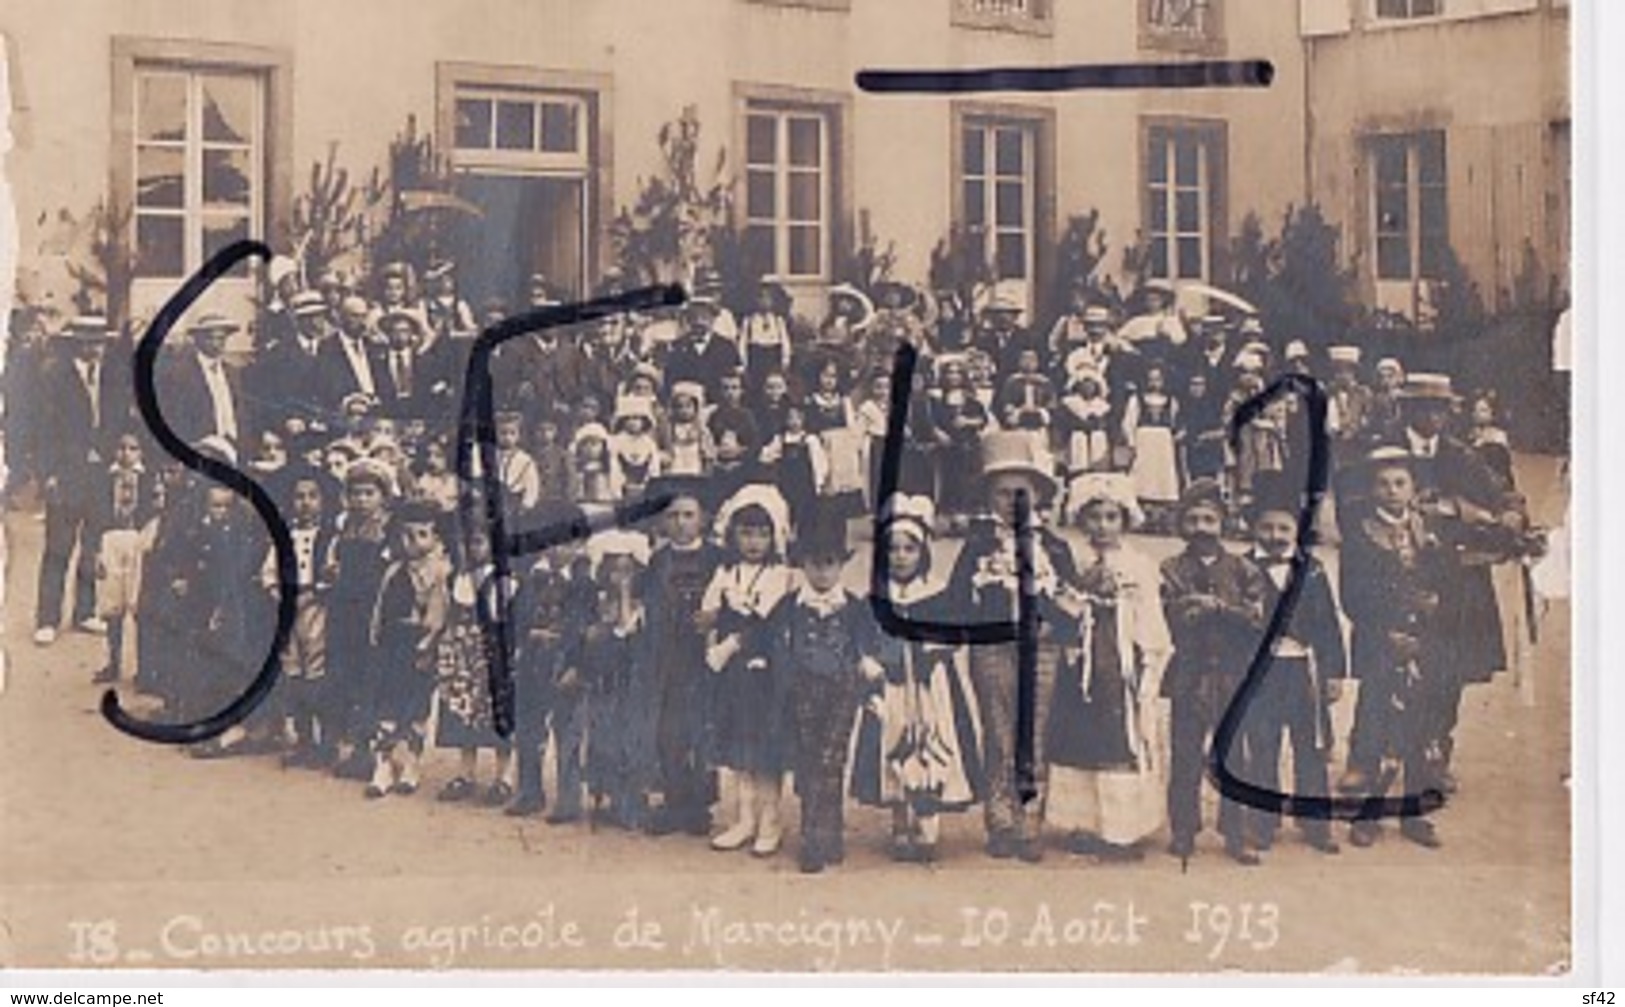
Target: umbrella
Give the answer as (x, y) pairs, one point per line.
(1212, 293)
(420, 200)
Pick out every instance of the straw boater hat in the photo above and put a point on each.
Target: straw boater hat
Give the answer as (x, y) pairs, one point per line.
(306, 303)
(212, 322)
(1104, 487)
(1017, 451)
(1427, 388)
(1003, 304)
(438, 268)
(1097, 314)
(87, 328)
(1343, 354)
(763, 497)
(1296, 350)
(1387, 456)
(370, 470)
(1252, 325)
(387, 320)
(1390, 365)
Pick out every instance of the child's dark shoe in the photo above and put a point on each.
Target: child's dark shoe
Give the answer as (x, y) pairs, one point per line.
(457, 790)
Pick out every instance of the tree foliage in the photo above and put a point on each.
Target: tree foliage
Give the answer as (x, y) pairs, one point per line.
(674, 226)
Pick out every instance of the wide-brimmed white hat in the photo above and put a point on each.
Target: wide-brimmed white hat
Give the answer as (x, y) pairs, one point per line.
(770, 500)
(1109, 487)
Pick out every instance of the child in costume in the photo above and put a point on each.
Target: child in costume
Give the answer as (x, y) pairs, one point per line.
(406, 626)
(917, 750)
(750, 732)
(822, 653)
(1104, 737)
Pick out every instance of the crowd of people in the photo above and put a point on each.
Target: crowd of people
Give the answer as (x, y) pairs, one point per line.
(681, 672)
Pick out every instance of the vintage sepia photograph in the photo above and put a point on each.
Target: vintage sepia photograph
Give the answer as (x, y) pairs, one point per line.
(736, 486)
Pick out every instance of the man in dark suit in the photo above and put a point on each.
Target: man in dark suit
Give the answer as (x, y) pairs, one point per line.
(81, 416)
(199, 392)
(701, 354)
(419, 384)
(287, 379)
(1481, 523)
(354, 362)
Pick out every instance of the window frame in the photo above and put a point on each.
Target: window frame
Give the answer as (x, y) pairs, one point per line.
(833, 110)
(595, 165)
(194, 212)
(1040, 124)
(1375, 16)
(1212, 136)
(132, 56)
(1414, 233)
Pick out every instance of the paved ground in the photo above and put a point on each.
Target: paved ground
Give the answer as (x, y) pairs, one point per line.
(113, 852)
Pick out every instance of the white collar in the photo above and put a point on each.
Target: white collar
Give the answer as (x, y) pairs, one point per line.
(826, 603)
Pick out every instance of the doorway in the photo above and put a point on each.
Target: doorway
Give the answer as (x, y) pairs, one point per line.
(531, 224)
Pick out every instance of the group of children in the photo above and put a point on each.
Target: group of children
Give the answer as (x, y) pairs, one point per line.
(728, 653)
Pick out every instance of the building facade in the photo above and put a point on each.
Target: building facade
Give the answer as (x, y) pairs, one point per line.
(206, 119)
(1416, 166)
(203, 120)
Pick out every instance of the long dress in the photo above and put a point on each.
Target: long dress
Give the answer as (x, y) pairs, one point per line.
(1107, 776)
(1148, 424)
(918, 742)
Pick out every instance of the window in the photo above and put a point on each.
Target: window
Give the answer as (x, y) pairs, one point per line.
(529, 149)
(199, 163)
(1181, 24)
(1183, 199)
(1031, 16)
(520, 128)
(788, 168)
(1410, 200)
(1405, 10)
(998, 161)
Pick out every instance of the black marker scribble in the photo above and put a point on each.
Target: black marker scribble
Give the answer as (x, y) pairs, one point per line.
(1023, 632)
(1301, 806)
(1090, 76)
(476, 432)
(146, 399)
